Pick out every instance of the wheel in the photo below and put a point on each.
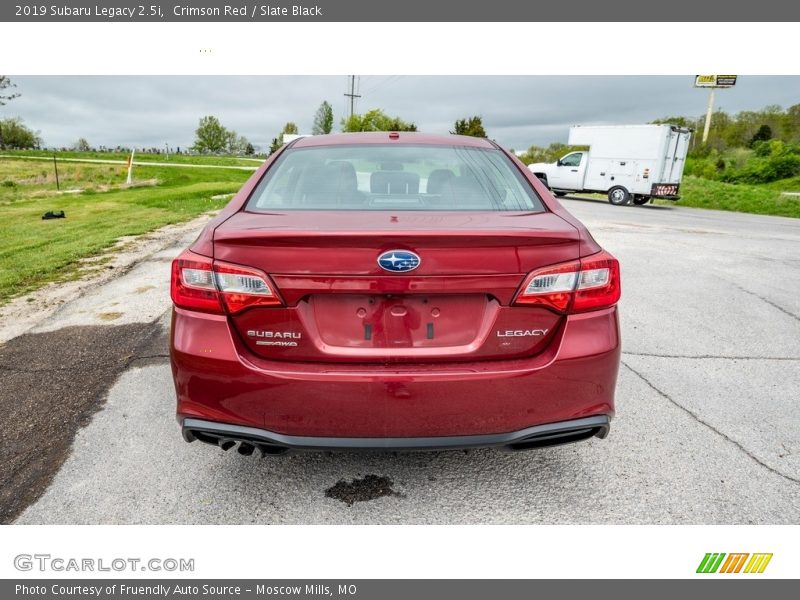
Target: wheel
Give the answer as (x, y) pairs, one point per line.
(619, 196)
(640, 200)
(559, 194)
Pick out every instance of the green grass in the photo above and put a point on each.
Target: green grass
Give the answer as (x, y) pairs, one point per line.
(785, 185)
(763, 199)
(34, 252)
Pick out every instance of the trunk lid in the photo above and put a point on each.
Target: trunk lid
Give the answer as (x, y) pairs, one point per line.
(341, 306)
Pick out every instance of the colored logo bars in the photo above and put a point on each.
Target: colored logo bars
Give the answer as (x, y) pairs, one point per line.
(713, 563)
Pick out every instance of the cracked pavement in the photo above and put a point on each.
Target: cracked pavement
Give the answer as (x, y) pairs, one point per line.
(707, 428)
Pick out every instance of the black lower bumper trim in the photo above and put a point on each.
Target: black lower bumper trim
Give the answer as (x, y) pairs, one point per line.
(249, 438)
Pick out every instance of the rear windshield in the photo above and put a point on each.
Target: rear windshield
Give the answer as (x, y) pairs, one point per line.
(399, 177)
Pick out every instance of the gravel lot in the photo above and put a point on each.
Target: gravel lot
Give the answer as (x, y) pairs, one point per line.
(707, 429)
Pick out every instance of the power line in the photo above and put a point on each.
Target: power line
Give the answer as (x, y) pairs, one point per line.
(386, 81)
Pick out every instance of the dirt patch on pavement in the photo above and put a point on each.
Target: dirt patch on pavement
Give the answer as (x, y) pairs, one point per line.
(109, 316)
(367, 488)
(50, 386)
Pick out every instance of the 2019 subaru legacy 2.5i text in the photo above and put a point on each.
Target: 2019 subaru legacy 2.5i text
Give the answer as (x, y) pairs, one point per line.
(397, 291)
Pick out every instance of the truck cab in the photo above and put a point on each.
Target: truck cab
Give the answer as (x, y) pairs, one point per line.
(566, 174)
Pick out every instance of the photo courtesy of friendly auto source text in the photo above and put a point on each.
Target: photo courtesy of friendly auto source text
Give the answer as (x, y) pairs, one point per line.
(261, 269)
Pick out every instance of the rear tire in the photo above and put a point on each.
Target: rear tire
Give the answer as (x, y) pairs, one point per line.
(641, 200)
(559, 194)
(619, 196)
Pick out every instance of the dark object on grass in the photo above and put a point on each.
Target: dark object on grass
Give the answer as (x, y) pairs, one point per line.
(54, 214)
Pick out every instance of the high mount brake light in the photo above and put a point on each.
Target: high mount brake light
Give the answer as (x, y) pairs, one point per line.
(198, 283)
(590, 283)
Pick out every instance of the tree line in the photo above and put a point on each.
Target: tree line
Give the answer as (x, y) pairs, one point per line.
(745, 128)
(746, 146)
(749, 147)
(212, 137)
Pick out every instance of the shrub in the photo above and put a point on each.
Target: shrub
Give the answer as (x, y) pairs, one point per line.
(739, 157)
(761, 149)
(763, 134)
(14, 134)
(766, 170)
(785, 165)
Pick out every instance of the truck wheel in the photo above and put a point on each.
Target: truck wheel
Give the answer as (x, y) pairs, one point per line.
(640, 200)
(559, 194)
(619, 196)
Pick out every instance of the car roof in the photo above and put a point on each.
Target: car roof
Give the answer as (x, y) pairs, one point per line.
(382, 137)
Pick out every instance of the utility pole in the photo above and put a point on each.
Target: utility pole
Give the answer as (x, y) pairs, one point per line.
(709, 112)
(352, 95)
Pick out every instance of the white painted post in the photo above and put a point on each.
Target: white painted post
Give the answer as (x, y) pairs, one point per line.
(130, 166)
(709, 112)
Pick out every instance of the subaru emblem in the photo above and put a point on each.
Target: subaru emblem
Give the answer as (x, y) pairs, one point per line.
(398, 261)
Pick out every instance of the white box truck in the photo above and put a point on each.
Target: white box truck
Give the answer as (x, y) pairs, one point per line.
(629, 163)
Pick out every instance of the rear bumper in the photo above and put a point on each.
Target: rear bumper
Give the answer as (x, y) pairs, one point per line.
(665, 191)
(217, 380)
(250, 439)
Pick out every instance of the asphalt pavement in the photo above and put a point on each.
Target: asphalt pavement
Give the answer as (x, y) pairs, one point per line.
(707, 428)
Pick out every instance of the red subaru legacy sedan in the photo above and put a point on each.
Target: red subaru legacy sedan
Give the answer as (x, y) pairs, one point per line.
(394, 291)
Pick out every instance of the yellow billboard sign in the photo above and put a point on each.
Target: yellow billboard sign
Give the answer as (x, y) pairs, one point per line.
(715, 81)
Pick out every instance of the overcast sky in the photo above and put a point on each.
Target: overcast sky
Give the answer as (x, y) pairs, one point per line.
(517, 111)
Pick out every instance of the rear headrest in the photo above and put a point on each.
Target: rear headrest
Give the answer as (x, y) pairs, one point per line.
(394, 182)
(332, 183)
(466, 191)
(437, 180)
(346, 173)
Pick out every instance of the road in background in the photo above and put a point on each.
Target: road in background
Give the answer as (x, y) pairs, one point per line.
(707, 428)
(137, 163)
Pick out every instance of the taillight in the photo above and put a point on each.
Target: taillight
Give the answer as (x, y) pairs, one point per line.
(198, 283)
(243, 288)
(552, 286)
(590, 283)
(599, 285)
(193, 283)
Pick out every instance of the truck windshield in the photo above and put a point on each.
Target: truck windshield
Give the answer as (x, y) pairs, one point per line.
(393, 177)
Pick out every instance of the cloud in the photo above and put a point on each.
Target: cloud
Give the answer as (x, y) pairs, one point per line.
(518, 111)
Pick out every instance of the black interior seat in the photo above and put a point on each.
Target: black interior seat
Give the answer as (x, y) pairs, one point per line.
(466, 192)
(438, 179)
(333, 184)
(394, 182)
